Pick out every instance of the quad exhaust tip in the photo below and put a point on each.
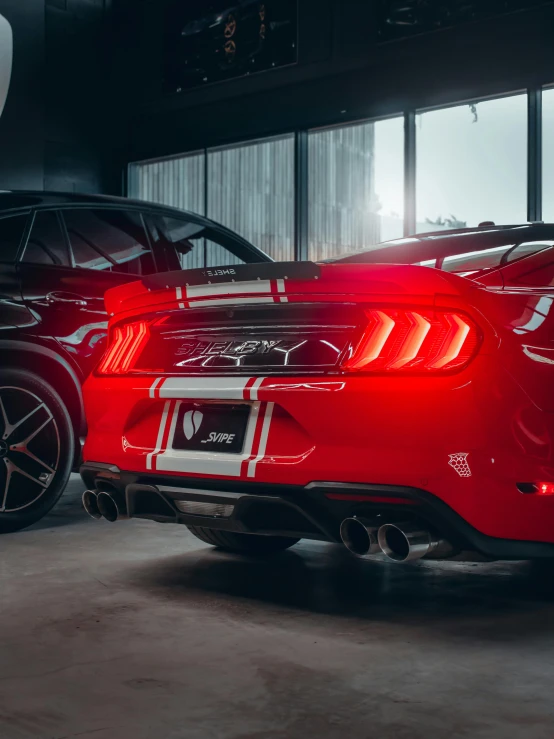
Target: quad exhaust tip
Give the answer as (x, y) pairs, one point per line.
(359, 536)
(405, 542)
(104, 504)
(90, 504)
(399, 542)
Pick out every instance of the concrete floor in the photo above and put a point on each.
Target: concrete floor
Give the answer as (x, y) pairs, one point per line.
(139, 631)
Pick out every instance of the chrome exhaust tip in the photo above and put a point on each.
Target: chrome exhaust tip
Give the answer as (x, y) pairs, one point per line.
(111, 506)
(405, 542)
(359, 536)
(90, 504)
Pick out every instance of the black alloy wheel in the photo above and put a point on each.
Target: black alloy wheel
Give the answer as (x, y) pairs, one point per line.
(36, 448)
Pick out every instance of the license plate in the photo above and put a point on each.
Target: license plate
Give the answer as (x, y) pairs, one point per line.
(211, 427)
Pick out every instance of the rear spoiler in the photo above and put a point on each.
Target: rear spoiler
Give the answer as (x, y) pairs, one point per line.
(234, 273)
(281, 282)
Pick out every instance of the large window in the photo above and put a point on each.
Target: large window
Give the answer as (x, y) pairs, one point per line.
(471, 167)
(178, 182)
(355, 186)
(548, 155)
(472, 164)
(251, 191)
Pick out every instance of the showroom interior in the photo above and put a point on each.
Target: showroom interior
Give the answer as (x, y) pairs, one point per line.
(279, 135)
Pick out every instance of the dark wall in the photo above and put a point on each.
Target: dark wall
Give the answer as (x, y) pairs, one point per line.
(343, 74)
(60, 126)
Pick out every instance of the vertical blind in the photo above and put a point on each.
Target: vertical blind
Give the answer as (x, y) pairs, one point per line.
(471, 166)
(251, 191)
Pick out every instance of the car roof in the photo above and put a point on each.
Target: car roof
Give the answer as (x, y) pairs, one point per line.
(488, 236)
(14, 200)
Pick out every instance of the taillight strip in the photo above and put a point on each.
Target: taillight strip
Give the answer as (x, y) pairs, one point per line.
(128, 342)
(400, 339)
(135, 346)
(413, 342)
(106, 364)
(372, 346)
(454, 341)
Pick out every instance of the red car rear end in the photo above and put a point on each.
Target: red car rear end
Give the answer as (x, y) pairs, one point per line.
(391, 406)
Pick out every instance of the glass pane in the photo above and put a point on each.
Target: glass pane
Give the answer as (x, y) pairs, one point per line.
(355, 187)
(46, 244)
(251, 191)
(177, 182)
(472, 164)
(114, 240)
(197, 245)
(217, 255)
(11, 231)
(548, 156)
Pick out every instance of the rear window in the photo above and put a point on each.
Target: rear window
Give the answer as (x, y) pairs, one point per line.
(11, 232)
(463, 254)
(198, 245)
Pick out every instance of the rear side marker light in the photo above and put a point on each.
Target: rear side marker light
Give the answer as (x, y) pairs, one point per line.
(125, 347)
(417, 340)
(536, 488)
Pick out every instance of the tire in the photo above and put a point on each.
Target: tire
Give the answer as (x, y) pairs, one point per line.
(232, 541)
(37, 448)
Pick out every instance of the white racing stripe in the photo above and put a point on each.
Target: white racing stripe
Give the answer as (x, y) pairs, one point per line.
(179, 296)
(156, 382)
(254, 388)
(229, 288)
(230, 301)
(281, 289)
(207, 388)
(263, 440)
(160, 438)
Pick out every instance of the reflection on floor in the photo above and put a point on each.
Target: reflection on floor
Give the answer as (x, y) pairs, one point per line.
(139, 631)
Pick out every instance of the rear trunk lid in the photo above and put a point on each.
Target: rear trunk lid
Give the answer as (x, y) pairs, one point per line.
(282, 318)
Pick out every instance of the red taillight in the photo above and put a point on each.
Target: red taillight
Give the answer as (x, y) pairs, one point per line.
(545, 488)
(125, 346)
(418, 340)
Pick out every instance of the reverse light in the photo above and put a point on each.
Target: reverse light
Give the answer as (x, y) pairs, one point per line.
(418, 340)
(125, 347)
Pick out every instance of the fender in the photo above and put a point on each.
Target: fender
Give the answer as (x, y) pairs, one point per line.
(12, 345)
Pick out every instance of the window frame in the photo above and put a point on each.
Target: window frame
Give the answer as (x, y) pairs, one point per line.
(29, 230)
(158, 262)
(222, 232)
(24, 233)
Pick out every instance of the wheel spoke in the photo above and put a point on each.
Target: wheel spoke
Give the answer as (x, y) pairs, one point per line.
(27, 465)
(32, 456)
(5, 419)
(21, 446)
(6, 485)
(26, 418)
(11, 468)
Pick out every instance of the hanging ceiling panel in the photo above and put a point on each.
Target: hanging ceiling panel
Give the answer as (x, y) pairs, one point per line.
(220, 40)
(401, 18)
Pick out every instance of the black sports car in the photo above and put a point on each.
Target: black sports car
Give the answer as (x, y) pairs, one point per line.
(58, 255)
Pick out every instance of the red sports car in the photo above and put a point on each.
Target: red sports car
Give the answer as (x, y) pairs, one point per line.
(400, 400)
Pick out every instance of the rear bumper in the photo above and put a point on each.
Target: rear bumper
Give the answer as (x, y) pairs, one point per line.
(347, 430)
(313, 511)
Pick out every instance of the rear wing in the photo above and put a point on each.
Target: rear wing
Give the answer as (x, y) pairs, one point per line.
(234, 273)
(283, 282)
